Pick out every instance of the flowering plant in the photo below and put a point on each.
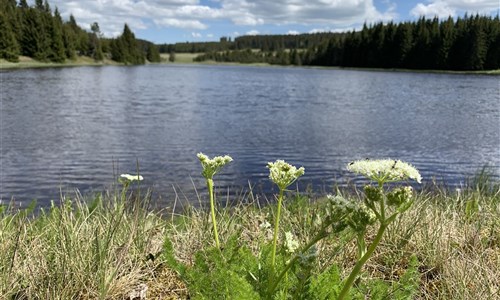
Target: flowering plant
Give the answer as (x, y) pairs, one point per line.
(283, 175)
(385, 170)
(210, 168)
(375, 205)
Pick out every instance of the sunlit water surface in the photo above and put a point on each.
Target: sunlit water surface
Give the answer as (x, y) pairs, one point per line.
(78, 128)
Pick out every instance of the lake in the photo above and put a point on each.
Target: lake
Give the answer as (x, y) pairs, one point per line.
(78, 128)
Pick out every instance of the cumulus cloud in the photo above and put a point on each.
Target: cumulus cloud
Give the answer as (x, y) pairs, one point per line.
(445, 8)
(253, 32)
(195, 15)
(293, 32)
(304, 12)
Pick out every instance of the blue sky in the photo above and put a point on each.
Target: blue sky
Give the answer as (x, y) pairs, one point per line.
(170, 21)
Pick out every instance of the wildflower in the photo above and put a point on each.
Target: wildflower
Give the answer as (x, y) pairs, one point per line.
(265, 225)
(130, 178)
(210, 168)
(283, 174)
(291, 243)
(385, 170)
(214, 165)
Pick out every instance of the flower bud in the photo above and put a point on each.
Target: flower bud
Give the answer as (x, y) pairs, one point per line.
(372, 193)
(214, 165)
(283, 174)
(399, 195)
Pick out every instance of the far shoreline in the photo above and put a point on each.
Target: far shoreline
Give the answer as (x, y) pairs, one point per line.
(187, 58)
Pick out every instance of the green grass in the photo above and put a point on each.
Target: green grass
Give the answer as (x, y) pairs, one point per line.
(27, 62)
(180, 58)
(446, 246)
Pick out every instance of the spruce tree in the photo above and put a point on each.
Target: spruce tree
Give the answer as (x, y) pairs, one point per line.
(9, 49)
(447, 38)
(125, 48)
(152, 53)
(95, 49)
(57, 53)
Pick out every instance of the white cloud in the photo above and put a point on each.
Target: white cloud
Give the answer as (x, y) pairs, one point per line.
(342, 12)
(253, 32)
(196, 35)
(438, 8)
(193, 15)
(210, 35)
(293, 32)
(185, 24)
(445, 8)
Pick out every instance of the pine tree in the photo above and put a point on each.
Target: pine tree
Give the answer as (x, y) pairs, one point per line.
(152, 53)
(95, 49)
(493, 54)
(125, 49)
(9, 49)
(403, 41)
(58, 53)
(69, 40)
(478, 46)
(447, 38)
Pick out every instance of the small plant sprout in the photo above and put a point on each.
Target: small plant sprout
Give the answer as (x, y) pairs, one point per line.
(283, 175)
(378, 205)
(210, 168)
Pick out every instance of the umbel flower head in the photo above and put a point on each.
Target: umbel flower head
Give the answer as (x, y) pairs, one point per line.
(291, 243)
(385, 170)
(214, 165)
(283, 174)
(130, 178)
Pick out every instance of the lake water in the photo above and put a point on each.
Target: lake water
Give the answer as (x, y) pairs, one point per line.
(77, 128)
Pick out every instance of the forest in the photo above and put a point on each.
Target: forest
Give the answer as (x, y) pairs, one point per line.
(39, 32)
(465, 43)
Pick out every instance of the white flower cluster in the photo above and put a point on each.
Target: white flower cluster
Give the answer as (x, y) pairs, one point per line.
(291, 243)
(214, 165)
(283, 174)
(131, 178)
(385, 170)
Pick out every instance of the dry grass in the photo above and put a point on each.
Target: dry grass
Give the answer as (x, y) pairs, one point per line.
(102, 250)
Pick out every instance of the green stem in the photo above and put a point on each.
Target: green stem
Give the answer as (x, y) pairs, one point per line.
(275, 236)
(274, 283)
(357, 268)
(360, 238)
(210, 185)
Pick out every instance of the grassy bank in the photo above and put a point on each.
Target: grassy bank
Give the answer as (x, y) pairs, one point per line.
(113, 246)
(188, 58)
(27, 62)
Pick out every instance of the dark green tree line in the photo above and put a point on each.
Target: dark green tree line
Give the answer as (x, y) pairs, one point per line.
(38, 32)
(464, 43)
(468, 43)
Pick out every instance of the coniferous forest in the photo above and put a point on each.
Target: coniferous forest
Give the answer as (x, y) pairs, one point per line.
(39, 32)
(471, 42)
(465, 43)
